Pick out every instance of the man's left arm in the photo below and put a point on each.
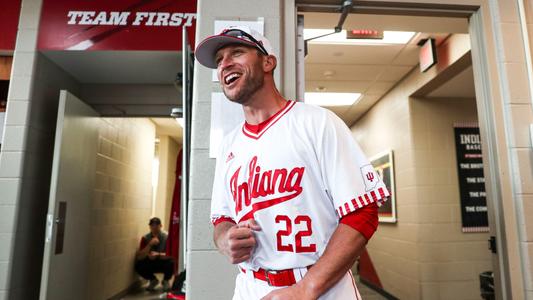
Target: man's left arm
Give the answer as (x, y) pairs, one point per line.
(345, 245)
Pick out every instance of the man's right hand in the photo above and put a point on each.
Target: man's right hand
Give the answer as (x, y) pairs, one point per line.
(154, 241)
(238, 241)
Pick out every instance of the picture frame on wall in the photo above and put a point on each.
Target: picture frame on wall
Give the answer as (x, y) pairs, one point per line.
(383, 163)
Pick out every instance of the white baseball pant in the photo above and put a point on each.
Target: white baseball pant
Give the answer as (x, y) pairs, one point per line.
(249, 288)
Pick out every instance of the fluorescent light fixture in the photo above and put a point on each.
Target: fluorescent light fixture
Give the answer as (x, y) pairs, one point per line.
(331, 99)
(389, 37)
(180, 121)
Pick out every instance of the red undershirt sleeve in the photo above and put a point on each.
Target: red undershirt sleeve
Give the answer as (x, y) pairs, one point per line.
(364, 220)
(223, 219)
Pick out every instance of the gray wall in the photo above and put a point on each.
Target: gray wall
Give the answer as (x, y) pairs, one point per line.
(210, 275)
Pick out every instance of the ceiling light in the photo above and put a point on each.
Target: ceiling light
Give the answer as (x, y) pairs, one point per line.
(389, 37)
(331, 99)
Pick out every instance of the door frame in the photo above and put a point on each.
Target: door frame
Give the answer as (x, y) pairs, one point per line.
(509, 281)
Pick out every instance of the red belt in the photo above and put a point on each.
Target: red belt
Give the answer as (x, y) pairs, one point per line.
(275, 278)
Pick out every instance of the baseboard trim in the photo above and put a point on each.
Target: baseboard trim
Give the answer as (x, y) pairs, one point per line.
(134, 286)
(379, 290)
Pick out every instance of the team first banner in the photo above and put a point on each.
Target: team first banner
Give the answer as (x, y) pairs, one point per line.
(150, 25)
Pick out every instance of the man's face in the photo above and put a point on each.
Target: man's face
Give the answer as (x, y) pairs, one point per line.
(155, 228)
(240, 72)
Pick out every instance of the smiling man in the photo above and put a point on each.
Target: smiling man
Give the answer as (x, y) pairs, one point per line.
(294, 198)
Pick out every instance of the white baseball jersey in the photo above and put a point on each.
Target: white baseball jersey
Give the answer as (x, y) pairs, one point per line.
(296, 177)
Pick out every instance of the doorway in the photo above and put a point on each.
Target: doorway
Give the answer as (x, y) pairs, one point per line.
(410, 115)
(132, 165)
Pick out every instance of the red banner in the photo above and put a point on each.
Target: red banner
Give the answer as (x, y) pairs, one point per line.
(9, 21)
(116, 25)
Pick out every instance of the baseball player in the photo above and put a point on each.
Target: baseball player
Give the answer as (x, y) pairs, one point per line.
(294, 197)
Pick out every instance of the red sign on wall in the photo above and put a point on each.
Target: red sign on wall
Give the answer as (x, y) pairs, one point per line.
(116, 25)
(9, 21)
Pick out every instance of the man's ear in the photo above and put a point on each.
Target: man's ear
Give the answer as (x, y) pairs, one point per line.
(269, 63)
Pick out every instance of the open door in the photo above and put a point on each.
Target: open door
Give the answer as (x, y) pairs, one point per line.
(188, 69)
(66, 249)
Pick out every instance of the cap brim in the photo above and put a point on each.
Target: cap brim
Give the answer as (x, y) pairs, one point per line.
(207, 49)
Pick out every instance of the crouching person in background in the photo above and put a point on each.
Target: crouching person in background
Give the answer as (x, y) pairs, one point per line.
(151, 257)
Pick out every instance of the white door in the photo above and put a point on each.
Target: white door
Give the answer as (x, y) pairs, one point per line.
(66, 249)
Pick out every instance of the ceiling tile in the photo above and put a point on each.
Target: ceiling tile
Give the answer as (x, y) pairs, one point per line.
(338, 86)
(394, 73)
(407, 57)
(353, 54)
(342, 72)
(379, 87)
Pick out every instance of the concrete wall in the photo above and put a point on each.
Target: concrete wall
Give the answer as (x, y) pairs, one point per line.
(122, 203)
(424, 255)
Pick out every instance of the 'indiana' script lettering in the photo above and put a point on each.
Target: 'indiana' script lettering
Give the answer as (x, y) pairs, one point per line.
(265, 183)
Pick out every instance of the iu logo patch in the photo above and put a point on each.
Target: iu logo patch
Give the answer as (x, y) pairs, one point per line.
(230, 157)
(370, 177)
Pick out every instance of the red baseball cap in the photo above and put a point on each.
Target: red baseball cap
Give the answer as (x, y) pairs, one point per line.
(244, 35)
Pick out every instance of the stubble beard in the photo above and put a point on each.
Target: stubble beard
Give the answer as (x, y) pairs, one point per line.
(252, 84)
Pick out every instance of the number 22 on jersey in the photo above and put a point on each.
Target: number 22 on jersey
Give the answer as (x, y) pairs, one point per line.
(298, 246)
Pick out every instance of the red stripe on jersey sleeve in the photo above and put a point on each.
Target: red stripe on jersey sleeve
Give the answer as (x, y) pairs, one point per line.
(376, 196)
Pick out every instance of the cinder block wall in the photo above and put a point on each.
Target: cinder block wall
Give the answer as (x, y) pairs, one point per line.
(122, 203)
(394, 249)
(450, 261)
(520, 110)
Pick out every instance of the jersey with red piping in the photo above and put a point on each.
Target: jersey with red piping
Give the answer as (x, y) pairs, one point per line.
(296, 177)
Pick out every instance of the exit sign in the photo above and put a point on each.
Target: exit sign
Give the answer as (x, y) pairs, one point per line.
(364, 34)
(428, 55)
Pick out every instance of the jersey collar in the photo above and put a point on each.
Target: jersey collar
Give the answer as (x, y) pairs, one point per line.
(256, 131)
